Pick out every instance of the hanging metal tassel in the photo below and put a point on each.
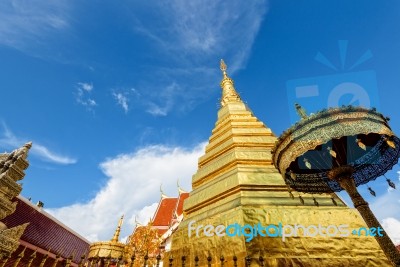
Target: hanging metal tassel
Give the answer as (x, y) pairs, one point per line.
(308, 164)
(361, 144)
(390, 142)
(372, 192)
(391, 184)
(301, 200)
(332, 152)
(315, 202)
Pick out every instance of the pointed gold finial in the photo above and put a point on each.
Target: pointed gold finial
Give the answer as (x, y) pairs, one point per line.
(28, 145)
(180, 190)
(301, 111)
(162, 192)
(118, 230)
(137, 222)
(223, 68)
(229, 93)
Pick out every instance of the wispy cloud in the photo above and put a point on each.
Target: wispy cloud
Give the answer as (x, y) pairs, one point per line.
(97, 218)
(192, 36)
(10, 141)
(23, 21)
(390, 214)
(83, 95)
(167, 97)
(122, 100)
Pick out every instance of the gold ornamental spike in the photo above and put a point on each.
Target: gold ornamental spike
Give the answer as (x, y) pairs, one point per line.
(307, 163)
(390, 143)
(332, 152)
(229, 94)
(223, 68)
(301, 111)
(118, 230)
(361, 144)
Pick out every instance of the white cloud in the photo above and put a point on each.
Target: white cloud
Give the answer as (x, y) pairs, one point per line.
(86, 86)
(387, 209)
(122, 100)
(132, 189)
(83, 95)
(392, 228)
(10, 141)
(192, 36)
(166, 99)
(23, 21)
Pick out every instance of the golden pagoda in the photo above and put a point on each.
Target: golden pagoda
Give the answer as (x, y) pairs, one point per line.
(108, 253)
(237, 184)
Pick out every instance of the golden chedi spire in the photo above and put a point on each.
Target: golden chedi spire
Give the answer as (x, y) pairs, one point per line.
(229, 93)
(118, 230)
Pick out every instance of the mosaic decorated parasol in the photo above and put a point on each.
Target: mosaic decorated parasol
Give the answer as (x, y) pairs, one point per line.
(336, 149)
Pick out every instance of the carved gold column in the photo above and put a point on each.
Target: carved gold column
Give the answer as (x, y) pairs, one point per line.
(343, 176)
(55, 261)
(45, 257)
(31, 258)
(19, 257)
(4, 260)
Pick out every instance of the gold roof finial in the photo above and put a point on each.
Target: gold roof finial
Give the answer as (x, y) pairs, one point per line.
(180, 190)
(223, 68)
(162, 192)
(118, 230)
(301, 111)
(229, 93)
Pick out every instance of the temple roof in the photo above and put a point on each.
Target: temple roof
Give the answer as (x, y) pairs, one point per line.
(46, 232)
(164, 213)
(179, 205)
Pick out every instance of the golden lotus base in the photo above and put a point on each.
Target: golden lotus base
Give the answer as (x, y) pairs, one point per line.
(352, 250)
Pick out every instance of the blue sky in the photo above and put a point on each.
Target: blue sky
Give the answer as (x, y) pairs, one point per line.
(109, 92)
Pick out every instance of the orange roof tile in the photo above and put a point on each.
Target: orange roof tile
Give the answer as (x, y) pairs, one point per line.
(164, 212)
(179, 206)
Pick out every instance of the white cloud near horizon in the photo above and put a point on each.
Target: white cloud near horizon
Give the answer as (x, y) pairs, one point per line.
(25, 21)
(132, 189)
(387, 209)
(10, 141)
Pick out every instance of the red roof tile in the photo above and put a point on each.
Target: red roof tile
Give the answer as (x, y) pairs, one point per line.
(46, 232)
(181, 199)
(164, 212)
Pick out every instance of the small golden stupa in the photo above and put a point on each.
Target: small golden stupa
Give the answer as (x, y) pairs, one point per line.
(108, 252)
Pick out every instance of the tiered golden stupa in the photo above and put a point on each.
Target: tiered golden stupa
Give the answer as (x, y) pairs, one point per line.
(236, 182)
